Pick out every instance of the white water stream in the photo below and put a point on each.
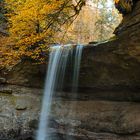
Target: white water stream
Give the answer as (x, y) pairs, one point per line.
(55, 73)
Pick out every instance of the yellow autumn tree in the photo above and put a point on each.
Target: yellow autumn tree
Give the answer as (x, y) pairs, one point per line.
(34, 23)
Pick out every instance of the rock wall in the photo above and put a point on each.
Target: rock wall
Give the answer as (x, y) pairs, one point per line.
(107, 106)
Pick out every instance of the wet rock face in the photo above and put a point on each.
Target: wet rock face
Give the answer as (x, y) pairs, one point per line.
(25, 73)
(107, 106)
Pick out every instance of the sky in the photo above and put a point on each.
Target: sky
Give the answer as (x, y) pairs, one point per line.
(109, 3)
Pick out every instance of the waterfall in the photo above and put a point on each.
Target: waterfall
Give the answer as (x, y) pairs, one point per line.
(76, 68)
(77, 61)
(55, 73)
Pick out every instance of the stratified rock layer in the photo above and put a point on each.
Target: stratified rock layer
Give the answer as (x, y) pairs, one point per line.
(107, 106)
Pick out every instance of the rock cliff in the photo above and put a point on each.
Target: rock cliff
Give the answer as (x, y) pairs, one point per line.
(108, 100)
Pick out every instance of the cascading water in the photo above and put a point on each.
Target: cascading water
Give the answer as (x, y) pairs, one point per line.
(76, 68)
(77, 61)
(56, 71)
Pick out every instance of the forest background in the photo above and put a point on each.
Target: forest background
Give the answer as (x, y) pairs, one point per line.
(29, 27)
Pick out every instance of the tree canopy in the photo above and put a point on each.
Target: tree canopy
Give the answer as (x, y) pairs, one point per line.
(33, 25)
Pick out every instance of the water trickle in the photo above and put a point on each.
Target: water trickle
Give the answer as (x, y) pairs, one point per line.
(75, 80)
(55, 76)
(77, 61)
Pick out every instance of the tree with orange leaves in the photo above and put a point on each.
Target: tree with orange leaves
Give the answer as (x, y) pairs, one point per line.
(34, 23)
